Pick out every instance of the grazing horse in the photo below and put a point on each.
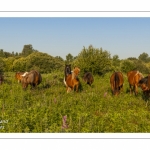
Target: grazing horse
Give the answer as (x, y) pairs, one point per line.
(143, 83)
(116, 82)
(88, 78)
(67, 71)
(72, 80)
(133, 78)
(33, 78)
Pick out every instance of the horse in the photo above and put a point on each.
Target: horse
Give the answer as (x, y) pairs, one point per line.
(33, 78)
(143, 83)
(116, 82)
(67, 71)
(72, 80)
(134, 77)
(88, 78)
(18, 76)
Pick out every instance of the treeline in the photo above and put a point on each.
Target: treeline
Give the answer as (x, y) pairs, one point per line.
(95, 60)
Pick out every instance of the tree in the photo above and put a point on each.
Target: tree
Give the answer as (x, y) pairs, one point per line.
(94, 60)
(116, 62)
(27, 50)
(8, 63)
(2, 53)
(127, 65)
(2, 65)
(38, 61)
(69, 58)
(144, 57)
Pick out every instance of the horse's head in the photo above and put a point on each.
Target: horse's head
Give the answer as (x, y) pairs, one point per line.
(67, 69)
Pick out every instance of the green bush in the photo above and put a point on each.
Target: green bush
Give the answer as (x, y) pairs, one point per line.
(94, 60)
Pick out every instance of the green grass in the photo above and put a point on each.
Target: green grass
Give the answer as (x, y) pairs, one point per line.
(92, 110)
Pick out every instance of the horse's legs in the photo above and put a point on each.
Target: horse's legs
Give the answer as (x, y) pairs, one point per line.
(135, 89)
(77, 87)
(131, 90)
(68, 89)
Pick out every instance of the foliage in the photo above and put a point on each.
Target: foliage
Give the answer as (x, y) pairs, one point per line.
(2, 65)
(27, 50)
(8, 64)
(116, 63)
(38, 61)
(128, 64)
(94, 60)
(144, 57)
(69, 59)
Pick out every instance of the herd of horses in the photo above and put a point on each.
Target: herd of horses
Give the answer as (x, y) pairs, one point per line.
(135, 79)
(72, 82)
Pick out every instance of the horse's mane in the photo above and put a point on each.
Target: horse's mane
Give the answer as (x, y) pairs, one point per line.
(75, 73)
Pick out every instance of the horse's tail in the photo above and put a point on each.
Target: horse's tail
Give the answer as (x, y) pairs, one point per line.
(116, 82)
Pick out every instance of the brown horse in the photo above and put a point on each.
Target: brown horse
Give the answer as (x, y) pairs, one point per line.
(143, 83)
(72, 80)
(116, 82)
(133, 78)
(33, 78)
(88, 78)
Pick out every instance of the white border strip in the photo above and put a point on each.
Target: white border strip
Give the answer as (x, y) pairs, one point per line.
(75, 14)
(74, 136)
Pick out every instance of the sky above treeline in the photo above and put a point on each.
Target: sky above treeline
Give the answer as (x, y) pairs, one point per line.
(59, 36)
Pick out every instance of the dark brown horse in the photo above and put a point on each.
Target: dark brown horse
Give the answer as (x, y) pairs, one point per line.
(133, 78)
(33, 78)
(143, 83)
(116, 82)
(67, 71)
(72, 80)
(88, 78)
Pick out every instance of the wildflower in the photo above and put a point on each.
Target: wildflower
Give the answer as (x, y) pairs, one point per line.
(105, 94)
(64, 119)
(55, 100)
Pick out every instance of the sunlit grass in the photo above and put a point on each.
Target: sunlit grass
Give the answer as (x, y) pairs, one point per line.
(93, 109)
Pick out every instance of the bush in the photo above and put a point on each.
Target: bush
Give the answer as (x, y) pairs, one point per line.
(94, 60)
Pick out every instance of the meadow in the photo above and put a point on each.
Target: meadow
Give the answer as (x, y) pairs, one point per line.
(50, 109)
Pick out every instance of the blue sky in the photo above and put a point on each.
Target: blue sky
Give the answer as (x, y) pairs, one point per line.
(125, 37)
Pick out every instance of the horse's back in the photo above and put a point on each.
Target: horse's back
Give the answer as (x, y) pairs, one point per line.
(88, 77)
(116, 81)
(118, 77)
(134, 77)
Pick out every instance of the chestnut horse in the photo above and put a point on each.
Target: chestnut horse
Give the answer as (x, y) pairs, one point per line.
(133, 78)
(116, 82)
(67, 71)
(72, 80)
(88, 78)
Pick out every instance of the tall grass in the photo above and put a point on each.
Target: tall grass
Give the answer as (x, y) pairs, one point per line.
(92, 110)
